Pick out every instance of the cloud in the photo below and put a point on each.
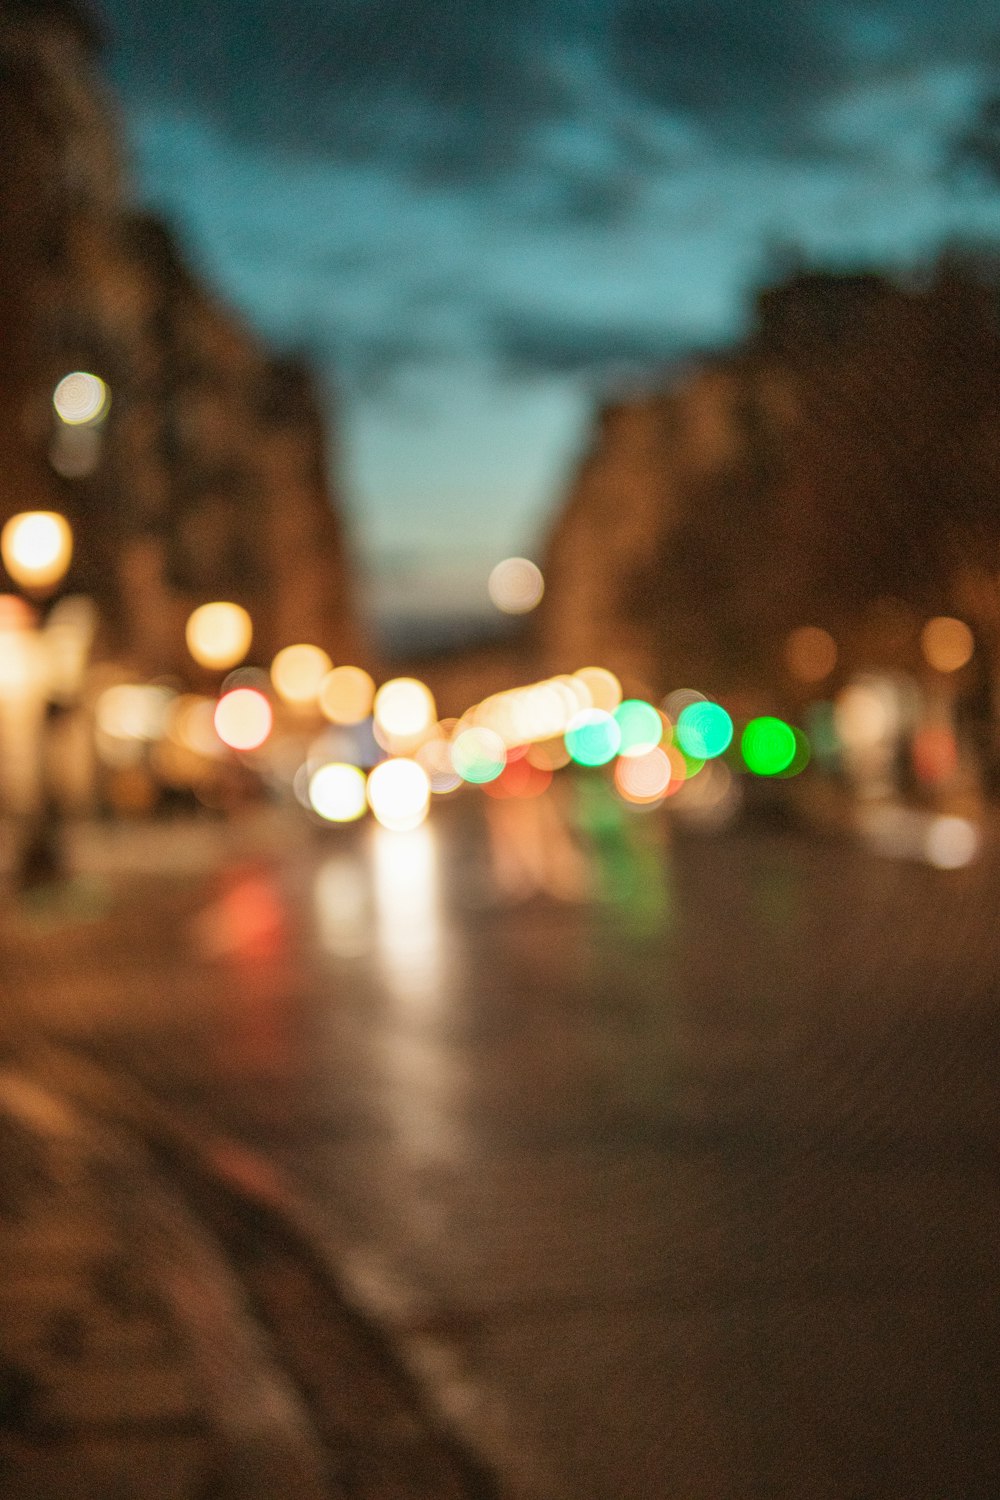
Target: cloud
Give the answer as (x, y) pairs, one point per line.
(724, 60)
(452, 86)
(531, 343)
(765, 68)
(459, 94)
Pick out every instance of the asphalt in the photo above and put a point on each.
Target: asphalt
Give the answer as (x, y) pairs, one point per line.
(722, 1246)
(170, 1328)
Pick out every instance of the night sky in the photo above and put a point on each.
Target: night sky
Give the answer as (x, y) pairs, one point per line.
(478, 215)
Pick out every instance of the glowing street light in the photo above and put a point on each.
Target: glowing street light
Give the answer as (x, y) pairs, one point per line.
(36, 547)
(218, 635)
(516, 585)
(298, 673)
(81, 398)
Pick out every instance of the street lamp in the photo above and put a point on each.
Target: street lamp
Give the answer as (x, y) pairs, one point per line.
(218, 635)
(36, 548)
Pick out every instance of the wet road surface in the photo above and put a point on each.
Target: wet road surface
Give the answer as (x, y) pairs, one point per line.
(688, 1188)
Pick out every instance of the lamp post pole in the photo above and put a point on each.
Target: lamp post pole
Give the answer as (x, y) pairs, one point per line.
(36, 548)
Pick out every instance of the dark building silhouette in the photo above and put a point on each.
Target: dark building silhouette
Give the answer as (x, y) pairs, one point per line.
(839, 468)
(210, 476)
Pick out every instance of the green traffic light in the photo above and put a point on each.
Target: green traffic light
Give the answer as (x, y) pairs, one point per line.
(768, 746)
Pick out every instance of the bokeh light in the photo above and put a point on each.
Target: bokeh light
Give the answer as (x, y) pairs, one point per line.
(404, 709)
(346, 695)
(934, 753)
(681, 768)
(676, 702)
(434, 755)
(338, 792)
(75, 451)
(802, 756)
(298, 672)
(644, 779)
(191, 724)
(478, 754)
(693, 764)
(516, 585)
(36, 547)
(134, 710)
(243, 719)
(711, 797)
(254, 677)
(399, 793)
(602, 686)
(704, 729)
(16, 613)
(540, 711)
(218, 635)
(593, 737)
(947, 643)
(80, 398)
(549, 755)
(768, 745)
(951, 843)
(520, 778)
(22, 663)
(641, 726)
(810, 653)
(863, 715)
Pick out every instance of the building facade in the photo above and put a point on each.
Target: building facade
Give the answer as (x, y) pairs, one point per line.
(839, 468)
(210, 475)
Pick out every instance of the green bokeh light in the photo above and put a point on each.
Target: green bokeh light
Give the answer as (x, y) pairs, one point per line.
(593, 738)
(640, 724)
(704, 730)
(478, 756)
(802, 756)
(768, 746)
(692, 764)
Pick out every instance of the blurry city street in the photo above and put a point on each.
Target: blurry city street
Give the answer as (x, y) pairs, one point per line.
(499, 750)
(684, 1184)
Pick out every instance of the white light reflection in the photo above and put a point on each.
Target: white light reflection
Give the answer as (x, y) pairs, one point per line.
(342, 911)
(408, 921)
(910, 833)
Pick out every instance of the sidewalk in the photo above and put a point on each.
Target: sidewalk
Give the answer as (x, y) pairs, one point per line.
(168, 1328)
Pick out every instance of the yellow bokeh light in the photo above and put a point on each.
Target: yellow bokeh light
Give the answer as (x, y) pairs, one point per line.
(404, 709)
(80, 398)
(134, 711)
(862, 716)
(549, 755)
(346, 695)
(337, 792)
(218, 635)
(298, 672)
(539, 711)
(243, 719)
(603, 687)
(399, 793)
(810, 653)
(36, 547)
(947, 643)
(191, 724)
(516, 585)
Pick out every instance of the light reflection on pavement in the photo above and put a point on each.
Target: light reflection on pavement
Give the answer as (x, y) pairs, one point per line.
(700, 1201)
